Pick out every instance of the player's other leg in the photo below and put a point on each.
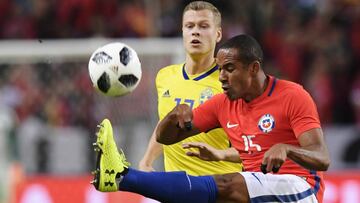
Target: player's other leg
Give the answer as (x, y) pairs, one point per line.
(113, 173)
(231, 188)
(269, 187)
(258, 187)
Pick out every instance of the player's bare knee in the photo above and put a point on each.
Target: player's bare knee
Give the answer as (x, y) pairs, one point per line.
(231, 188)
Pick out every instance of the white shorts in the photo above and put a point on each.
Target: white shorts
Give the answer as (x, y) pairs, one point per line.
(278, 188)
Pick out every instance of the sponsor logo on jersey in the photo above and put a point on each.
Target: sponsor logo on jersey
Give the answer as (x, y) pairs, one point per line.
(205, 95)
(266, 123)
(166, 93)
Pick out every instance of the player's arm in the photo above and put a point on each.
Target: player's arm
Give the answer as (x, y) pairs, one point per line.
(208, 153)
(312, 153)
(175, 125)
(153, 151)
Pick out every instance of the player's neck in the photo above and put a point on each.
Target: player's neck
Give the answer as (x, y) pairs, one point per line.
(262, 84)
(258, 87)
(198, 65)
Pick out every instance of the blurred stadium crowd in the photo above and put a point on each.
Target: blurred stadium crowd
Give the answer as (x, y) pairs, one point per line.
(313, 42)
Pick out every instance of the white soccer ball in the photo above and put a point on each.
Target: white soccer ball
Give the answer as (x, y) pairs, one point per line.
(115, 69)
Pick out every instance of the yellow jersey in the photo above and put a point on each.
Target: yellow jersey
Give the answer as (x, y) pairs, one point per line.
(174, 86)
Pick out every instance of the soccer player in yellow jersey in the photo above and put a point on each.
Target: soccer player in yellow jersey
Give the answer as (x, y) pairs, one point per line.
(192, 83)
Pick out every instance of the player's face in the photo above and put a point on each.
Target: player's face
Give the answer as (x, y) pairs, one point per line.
(200, 32)
(235, 77)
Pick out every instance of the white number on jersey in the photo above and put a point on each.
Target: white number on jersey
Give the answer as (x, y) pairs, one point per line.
(249, 143)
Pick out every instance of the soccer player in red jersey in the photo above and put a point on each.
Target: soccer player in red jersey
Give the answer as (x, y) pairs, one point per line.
(269, 121)
(273, 124)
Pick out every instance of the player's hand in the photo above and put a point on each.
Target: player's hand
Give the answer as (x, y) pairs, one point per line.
(147, 167)
(205, 152)
(274, 158)
(184, 116)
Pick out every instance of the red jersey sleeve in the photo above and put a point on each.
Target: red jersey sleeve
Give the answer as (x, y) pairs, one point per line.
(205, 116)
(302, 112)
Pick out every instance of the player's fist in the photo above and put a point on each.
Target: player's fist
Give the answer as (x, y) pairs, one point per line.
(274, 158)
(184, 116)
(176, 126)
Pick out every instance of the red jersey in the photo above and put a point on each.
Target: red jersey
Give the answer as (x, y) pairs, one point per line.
(280, 115)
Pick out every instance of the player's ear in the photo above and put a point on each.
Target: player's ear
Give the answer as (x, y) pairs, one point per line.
(254, 68)
(219, 35)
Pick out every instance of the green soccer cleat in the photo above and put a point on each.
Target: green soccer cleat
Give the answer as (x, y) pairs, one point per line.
(110, 164)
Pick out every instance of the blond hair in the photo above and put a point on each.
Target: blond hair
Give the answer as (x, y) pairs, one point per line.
(203, 5)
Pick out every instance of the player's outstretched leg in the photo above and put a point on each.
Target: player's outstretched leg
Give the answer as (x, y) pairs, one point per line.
(110, 163)
(113, 173)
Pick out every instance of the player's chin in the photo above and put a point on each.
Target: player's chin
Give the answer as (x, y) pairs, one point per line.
(196, 50)
(230, 96)
(196, 53)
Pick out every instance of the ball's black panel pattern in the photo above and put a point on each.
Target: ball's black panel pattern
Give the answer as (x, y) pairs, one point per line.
(128, 80)
(101, 58)
(125, 56)
(103, 83)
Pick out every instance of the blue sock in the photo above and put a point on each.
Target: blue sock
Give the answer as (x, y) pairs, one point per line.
(170, 187)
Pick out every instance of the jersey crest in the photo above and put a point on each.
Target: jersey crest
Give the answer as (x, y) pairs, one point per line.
(205, 95)
(266, 123)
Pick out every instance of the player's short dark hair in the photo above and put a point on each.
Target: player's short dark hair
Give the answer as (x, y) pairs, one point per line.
(203, 5)
(248, 48)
